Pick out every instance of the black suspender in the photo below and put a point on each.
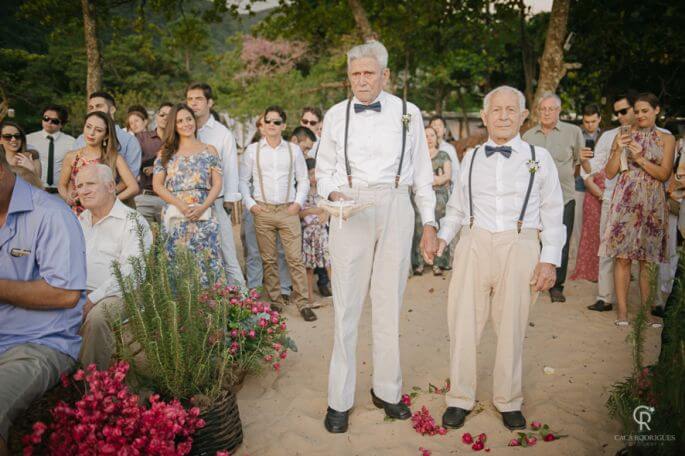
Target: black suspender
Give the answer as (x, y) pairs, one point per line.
(405, 128)
(519, 223)
(348, 170)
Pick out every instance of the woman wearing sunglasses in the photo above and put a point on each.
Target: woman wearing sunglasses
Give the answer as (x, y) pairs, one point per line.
(13, 139)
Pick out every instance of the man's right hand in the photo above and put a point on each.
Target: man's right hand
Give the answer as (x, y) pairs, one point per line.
(338, 196)
(586, 153)
(256, 209)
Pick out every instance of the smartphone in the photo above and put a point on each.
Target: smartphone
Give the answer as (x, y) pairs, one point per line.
(625, 131)
(590, 144)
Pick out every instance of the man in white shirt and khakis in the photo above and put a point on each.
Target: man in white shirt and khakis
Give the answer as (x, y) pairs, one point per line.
(110, 229)
(373, 149)
(507, 202)
(274, 166)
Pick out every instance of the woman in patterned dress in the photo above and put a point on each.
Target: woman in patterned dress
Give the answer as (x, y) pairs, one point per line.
(101, 147)
(442, 170)
(637, 225)
(314, 233)
(187, 176)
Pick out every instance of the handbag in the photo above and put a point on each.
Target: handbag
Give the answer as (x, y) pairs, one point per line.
(174, 215)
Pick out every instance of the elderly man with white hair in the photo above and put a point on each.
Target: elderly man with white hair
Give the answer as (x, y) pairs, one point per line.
(111, 232)
(507, 202)
(372, 151)
(566, 144)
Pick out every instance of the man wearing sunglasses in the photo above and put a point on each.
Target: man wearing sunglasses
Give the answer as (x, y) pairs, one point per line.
(311, 118)
(52, 144)
(275, 166)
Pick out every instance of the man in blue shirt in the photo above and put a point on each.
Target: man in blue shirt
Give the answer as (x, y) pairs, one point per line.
(129, 147)
(42, 293)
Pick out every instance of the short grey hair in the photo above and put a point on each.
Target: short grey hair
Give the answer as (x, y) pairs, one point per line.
(547, 96)
(103, 172)
(373, 49)
(504, 88)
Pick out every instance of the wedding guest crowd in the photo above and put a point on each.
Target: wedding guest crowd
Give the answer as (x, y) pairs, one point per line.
(614, 191)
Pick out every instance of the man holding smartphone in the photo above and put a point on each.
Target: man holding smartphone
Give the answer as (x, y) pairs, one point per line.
(590, 128)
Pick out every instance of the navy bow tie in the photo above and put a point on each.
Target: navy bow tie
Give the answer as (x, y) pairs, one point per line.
(504, 150)
(358, 107)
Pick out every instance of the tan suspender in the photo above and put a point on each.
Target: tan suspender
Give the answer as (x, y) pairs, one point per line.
(259, 173)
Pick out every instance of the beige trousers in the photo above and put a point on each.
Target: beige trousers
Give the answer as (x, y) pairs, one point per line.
(274, 219)
(27, 371)
(491, 277)
(98, 340)
(370, 254)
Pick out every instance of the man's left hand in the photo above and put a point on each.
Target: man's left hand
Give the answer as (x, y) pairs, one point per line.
(586, 153)
(429, 243)
(294, 209)
(544, 276)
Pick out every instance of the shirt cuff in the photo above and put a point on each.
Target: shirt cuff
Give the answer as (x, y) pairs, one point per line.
(550, 254)
(232, 197)
(249, 202)
(96, 296)
(447, 233)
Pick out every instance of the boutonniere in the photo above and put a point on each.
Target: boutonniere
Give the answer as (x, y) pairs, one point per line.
(533, 166)
(406, 118)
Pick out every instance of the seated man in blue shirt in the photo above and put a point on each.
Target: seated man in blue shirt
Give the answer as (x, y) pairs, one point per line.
(42, 293)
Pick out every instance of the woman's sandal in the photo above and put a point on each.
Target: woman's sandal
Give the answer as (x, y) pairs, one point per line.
(621, 323)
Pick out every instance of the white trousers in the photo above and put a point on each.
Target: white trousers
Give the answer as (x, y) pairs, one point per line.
(235, 274)
(370, 254)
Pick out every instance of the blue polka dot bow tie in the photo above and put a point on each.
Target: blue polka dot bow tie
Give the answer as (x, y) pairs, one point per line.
(504, 150)
(358, 107)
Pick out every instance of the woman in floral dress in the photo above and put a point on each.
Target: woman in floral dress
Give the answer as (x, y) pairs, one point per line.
(638, 218)
(314, 233)
(187, 176)
(442, 170)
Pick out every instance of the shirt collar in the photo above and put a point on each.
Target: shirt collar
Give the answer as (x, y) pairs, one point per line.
(22, 197)
(380, 98)
(118, 211)
(55, 136)
(263, 143)
(538, 128)
(516, 143)
(209, 124)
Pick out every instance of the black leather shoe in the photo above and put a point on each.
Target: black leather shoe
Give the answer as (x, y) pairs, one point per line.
(556, 295)
(600, 306)
(454, 417)
(336, 422)
(308, 314)
(659, 311)
(324, 291)
(398, 411)
(514, 420)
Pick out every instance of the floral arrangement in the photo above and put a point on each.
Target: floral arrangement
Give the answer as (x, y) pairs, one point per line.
(533, 166)
(108, 419)
(186, 340)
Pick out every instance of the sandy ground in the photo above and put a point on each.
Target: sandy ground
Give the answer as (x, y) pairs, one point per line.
(283, 414)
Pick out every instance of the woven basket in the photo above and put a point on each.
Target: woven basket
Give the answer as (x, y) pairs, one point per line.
(223, 429)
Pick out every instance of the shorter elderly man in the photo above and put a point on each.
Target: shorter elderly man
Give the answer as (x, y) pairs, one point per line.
(507, 202)
(42, 283)
(111, 232)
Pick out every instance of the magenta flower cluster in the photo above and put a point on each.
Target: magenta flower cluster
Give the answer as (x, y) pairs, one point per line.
(108, 419)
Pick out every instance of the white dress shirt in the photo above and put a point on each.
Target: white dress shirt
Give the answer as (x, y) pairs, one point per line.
(499, 187)
(275, 165)
(452, 153)
(112, 238)
(63, 143)
(217, 135)
(374, 147)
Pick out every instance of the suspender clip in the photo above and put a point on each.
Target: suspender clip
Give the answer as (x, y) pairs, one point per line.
(349, 180)
(519, 225)
(397, 181)
(471, 221)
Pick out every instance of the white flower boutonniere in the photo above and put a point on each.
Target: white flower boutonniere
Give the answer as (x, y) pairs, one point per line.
(533, 166)
(406, 118)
